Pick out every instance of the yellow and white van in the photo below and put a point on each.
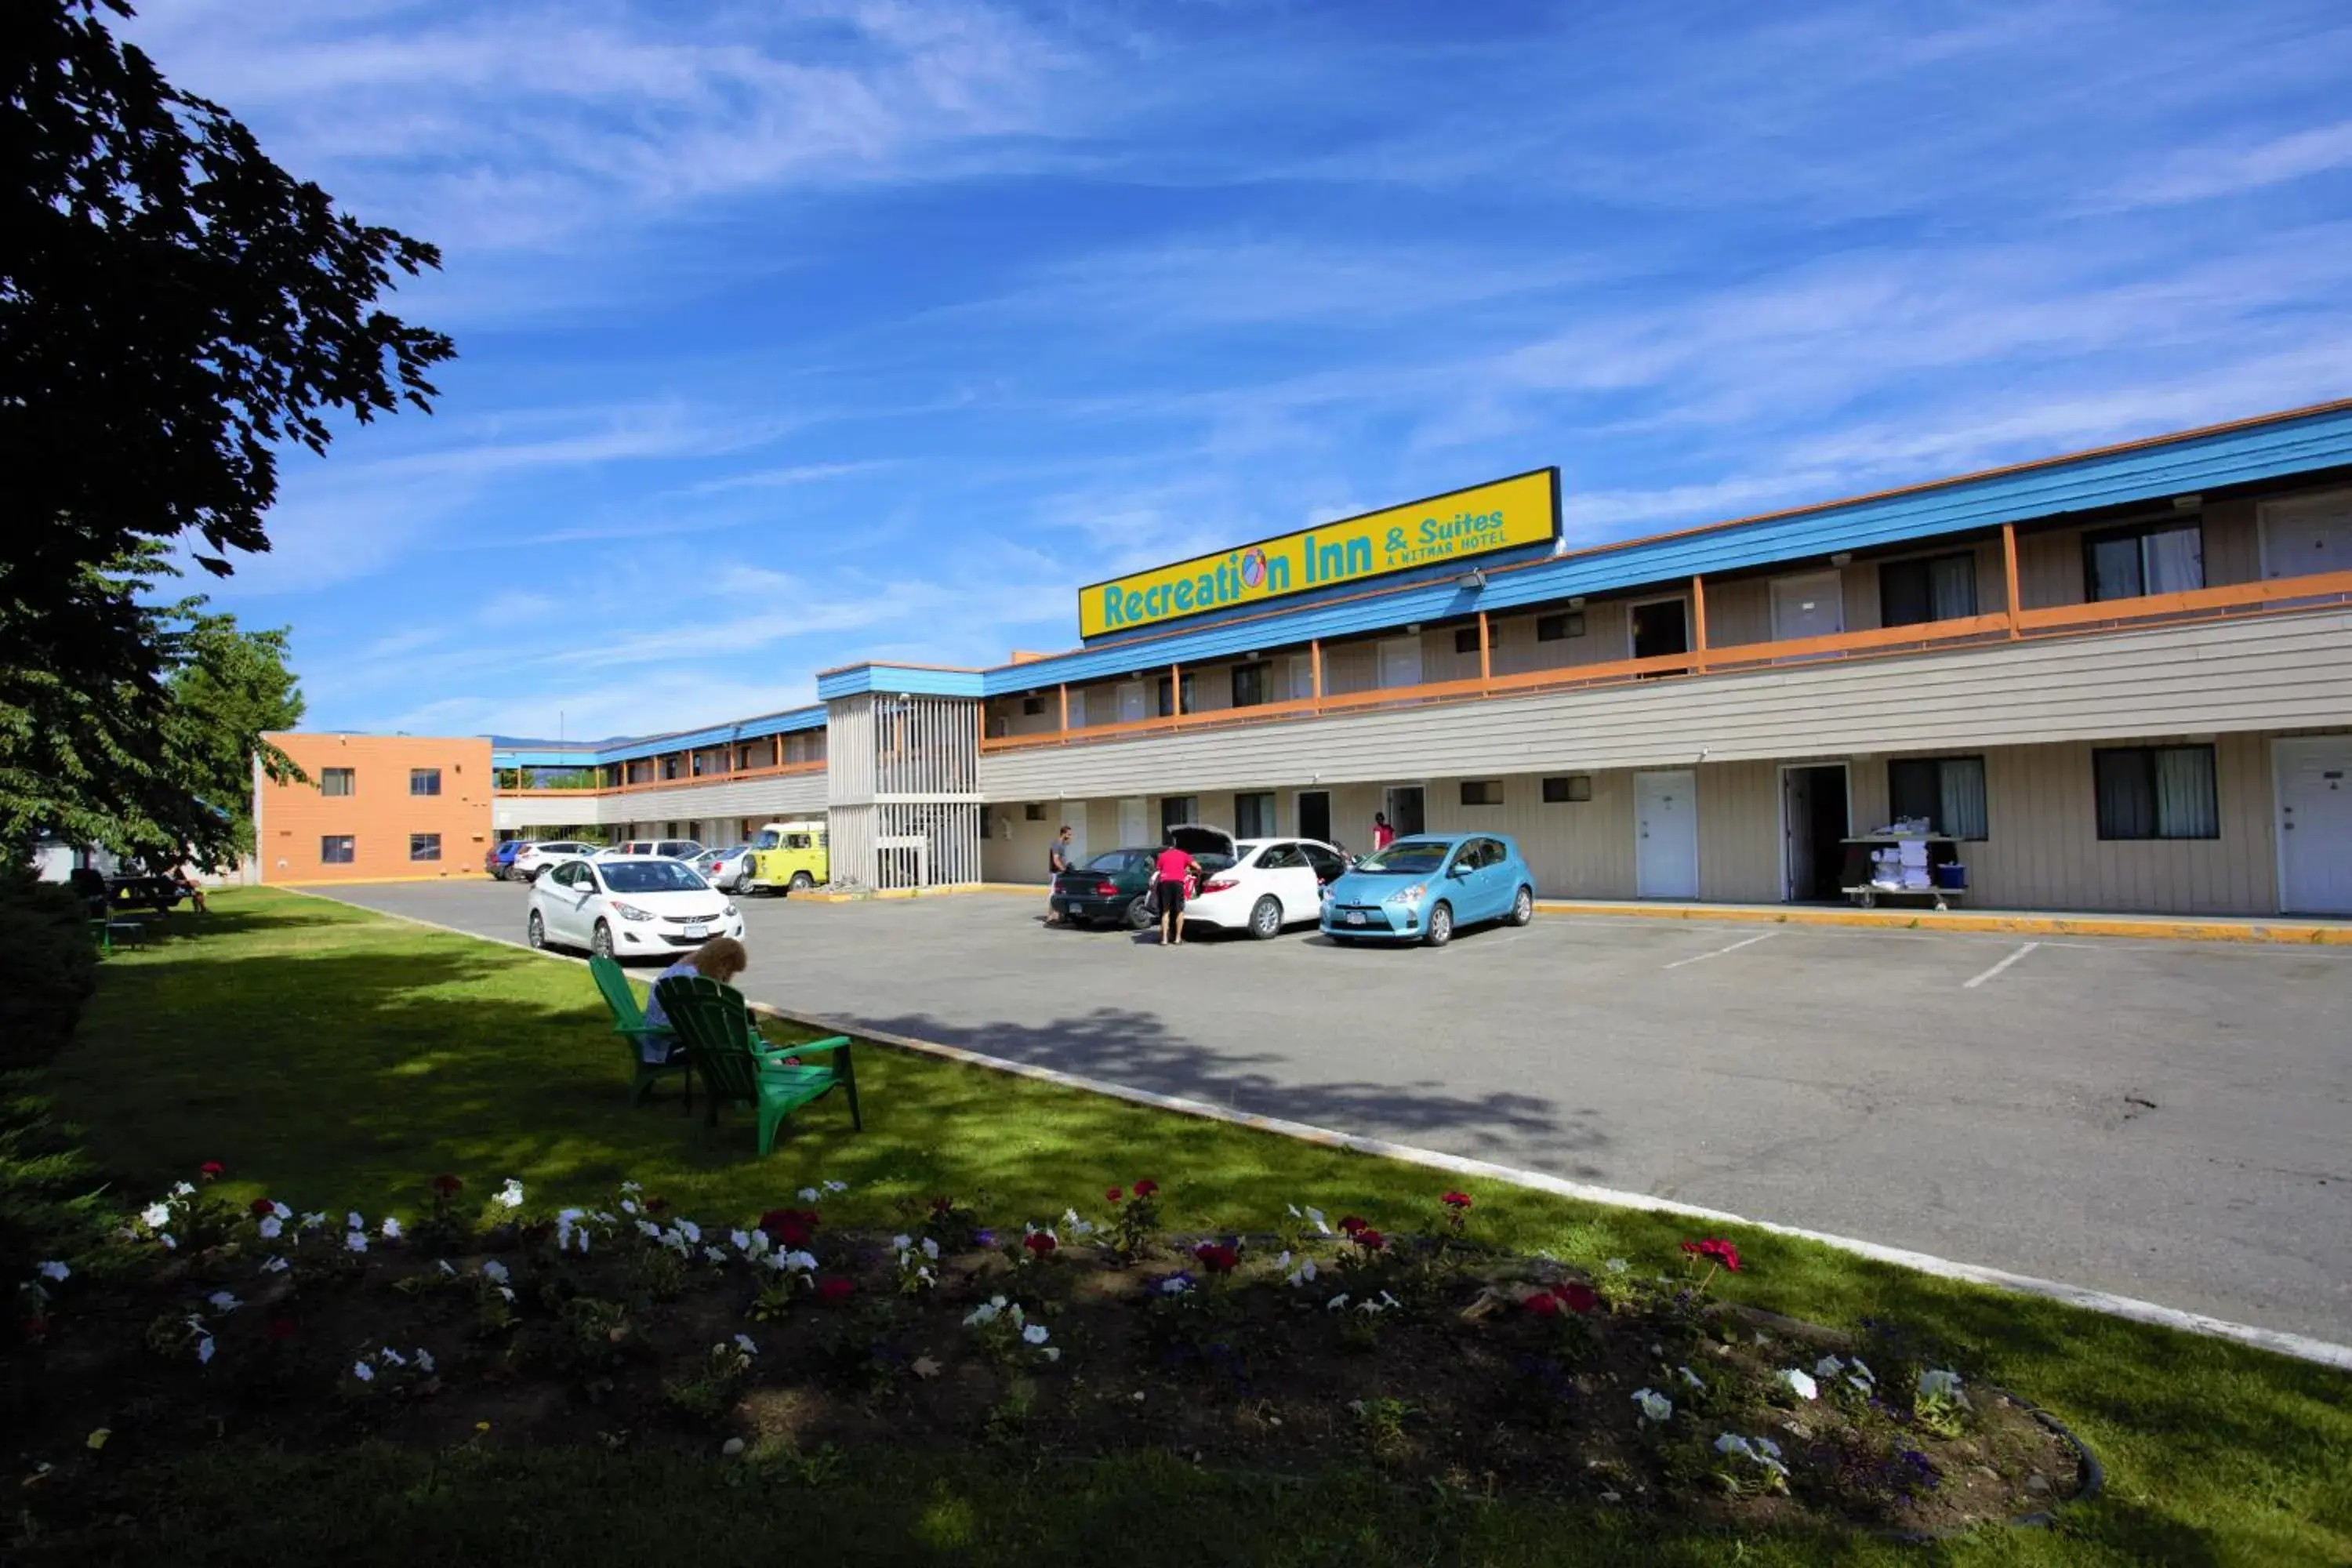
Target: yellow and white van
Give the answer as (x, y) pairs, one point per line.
(789, 856)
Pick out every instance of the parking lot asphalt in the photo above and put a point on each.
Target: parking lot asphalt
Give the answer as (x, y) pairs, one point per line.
(2170, 1120)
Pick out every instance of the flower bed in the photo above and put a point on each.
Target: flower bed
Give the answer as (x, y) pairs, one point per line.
(1316, 1342)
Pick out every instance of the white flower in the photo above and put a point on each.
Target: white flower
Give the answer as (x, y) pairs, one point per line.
(650, 1230)
(278, 1211)
(424, 1363)
(931, 1249)
(633, 1186)
(831, 1186)
(510, 1195)
(1863, 1372)
(1940, 1384)
(1294, 1210)
(1617, 1265)
(808, 1195)
(156, 1214)
(1691, 1377)
(494, 1271)
(273, 1266)
(356, 1240)
(1283, 1261)
(354, 1221)
(1305, 1273)
(1315, 1216)
(223, 1301)
(363, 1372)
(715, 1254)
(903, 1243)
(448, 1270)
(205, 1349)
(271, 1227)
(1336, 1303)
(1053, 1352)
(799, 1262)
(1828, 1368)
(391, 1357)
(1733, 1443)
(1802, 1383)
(314, 1219)
(53, 1272)
(182, 1189)
(741, 1240)
(691, 1231)
(743, 1342)
(986, 1312)
(1654, 1406)
(391, 1228)
(1036, 1334)
(169, 1244)
(629, 1205)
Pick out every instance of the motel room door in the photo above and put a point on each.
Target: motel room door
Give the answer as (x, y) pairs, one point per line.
(1666, 855)
(2314, 825)
(2299, 537)
(1809, 607)
(1134, 824)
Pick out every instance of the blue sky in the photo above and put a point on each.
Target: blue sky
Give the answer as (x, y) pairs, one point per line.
(795, 333)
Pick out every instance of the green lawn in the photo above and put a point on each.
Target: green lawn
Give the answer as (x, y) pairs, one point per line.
(331, 1057)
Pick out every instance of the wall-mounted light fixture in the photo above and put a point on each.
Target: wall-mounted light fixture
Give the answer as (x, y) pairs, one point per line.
(1842, 558)
(1473, 580)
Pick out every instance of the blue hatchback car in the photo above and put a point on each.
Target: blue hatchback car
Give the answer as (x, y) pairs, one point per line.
(1424, 887)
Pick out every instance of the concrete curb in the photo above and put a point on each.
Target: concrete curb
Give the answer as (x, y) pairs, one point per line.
(2301, 1347)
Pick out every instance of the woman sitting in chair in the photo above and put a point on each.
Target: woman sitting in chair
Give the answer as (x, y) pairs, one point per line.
(722, 958)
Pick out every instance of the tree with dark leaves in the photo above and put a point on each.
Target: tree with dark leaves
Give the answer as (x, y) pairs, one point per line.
(174, 310)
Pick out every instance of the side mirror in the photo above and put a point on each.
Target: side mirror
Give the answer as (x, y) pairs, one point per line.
(1459, 870)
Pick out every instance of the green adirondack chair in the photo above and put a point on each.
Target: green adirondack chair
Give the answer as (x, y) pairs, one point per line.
(738, 1066)
(629, 1023)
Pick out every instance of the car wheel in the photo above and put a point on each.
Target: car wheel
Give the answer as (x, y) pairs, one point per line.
(1265, 918)
(1441, 925)
(600, 940)
(1523, 908)
(535, 933)
(802, 882)
(1138, 917)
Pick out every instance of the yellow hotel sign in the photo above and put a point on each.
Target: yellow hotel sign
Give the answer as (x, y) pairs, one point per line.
(1504, 515)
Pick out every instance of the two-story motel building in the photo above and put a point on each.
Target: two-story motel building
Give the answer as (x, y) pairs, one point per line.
(2123, 678)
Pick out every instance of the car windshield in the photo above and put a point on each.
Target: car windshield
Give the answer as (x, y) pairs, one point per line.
(1115, 860)
(652, 877)
(1407, 857)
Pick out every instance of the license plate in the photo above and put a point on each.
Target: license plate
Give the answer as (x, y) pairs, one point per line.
(1355, 917)
(698, 931)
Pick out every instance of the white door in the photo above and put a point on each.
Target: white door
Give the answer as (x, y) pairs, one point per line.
(1665, 853)
(1302, 677)
(1074, 812)
(1293, 881)
(1796, 834)
(2314, 825)
(1401, 662)
(1130, 701)
(1133, 833)
(1808, 606)
(2303, 537)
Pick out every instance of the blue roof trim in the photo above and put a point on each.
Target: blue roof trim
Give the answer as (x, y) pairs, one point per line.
(787, 724)
(913, 680)
(2147, 472)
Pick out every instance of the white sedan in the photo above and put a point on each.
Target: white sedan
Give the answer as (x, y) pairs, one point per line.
(628, 906)
(1272, 883)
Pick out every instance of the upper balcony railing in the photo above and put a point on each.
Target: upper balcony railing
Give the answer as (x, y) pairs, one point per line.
(643, 786)
(2012, 625)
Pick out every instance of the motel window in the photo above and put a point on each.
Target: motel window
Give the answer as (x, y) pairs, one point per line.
(1034, 811)
(1949, 792)
(2157, 791)
(1465, 638)
(2155, 558)
(336, 849)
(1481, 792)
(1253, 816)
(1176, 810)
(1166, 689)
(425, 781)
(1032, 706)
(425, 846)
(1927, 588)
(337, 781)
(1250, 684)
(1557, 627)
(1567, 787)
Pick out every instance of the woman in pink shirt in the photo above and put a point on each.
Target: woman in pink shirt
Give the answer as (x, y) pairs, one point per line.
(1173, 867)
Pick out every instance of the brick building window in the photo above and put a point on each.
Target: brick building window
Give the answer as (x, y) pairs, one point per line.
(425, 846)
(425, 781)
(337, 781)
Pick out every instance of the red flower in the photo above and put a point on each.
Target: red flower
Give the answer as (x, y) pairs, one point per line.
(655, 1203)
(261, 1208)
(1455, 1200)
(1114, 1195)
(1543, 1304)
(789, 1227)
(1371, 1240)
(280, 1330)
(943, 1205)
(833, 1292)
(1580, 1298)
(1040, 1242)
(1145, 1188)
(447, 1186)
(1351, 1225)
(211, 1170)
(1722, 1252)
(1217, 1258)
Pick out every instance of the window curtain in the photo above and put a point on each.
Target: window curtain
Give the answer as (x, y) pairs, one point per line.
(2187, 803)
(2174, 562)
(1962, 797)
(1952, 586)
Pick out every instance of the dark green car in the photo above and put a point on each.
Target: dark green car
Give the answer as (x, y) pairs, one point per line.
(1114, 887)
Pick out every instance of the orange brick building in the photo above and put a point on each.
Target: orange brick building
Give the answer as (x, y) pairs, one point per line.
(378, 807)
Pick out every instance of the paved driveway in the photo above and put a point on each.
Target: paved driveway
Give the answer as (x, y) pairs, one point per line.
(2171, 1120)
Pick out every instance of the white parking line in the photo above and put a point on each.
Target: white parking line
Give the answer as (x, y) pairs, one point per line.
(1997, 968)
(1719, 952)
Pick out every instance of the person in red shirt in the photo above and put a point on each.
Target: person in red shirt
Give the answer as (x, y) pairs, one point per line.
(1382, 834)
(1174, 870)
